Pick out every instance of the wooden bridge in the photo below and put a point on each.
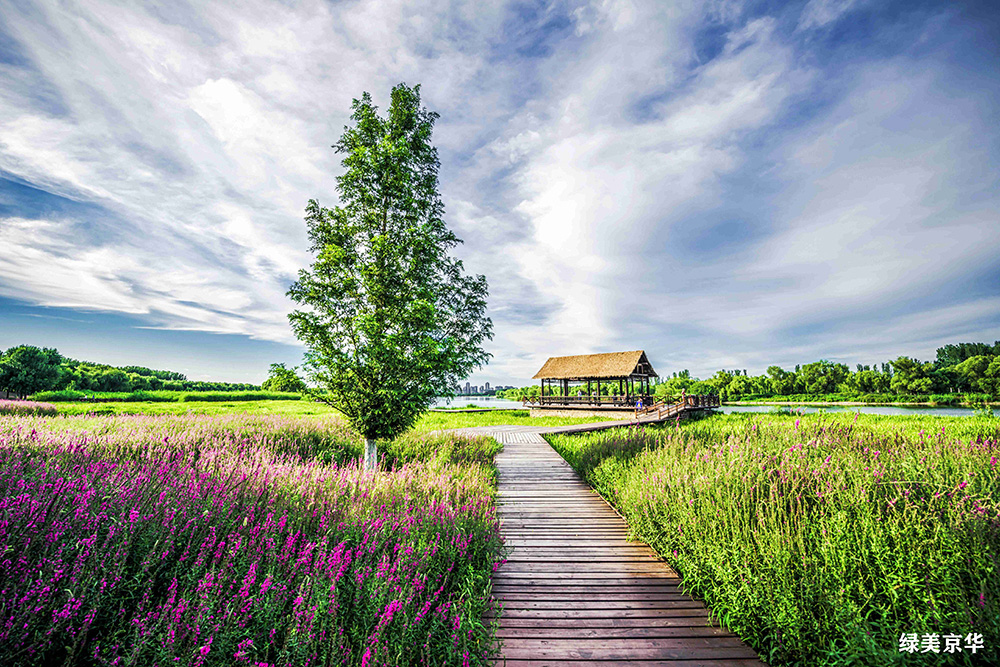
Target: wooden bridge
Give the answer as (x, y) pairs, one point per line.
(662, 411)
(652, 412)
(575, 590)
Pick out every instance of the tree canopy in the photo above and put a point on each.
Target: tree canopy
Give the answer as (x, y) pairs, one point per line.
(389, 318)
(26, 369)
(281, 378)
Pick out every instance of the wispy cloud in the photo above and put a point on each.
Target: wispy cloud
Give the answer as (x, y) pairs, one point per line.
(721, 185)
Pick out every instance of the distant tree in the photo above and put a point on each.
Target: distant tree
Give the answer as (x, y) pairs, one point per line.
(951, 355)
(739, 386)
(973, 372)
(991, 383)
(782, 381)
(280, 378)
(912, 376)
(26, 369)
(114, 379)
(703, 388)
(390, 320)
(823, 377)
(867, 381)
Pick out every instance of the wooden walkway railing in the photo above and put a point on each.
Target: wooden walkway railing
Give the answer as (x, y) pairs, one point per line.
(699, 402)
(661, 411)
(626, 402)
(575, 590)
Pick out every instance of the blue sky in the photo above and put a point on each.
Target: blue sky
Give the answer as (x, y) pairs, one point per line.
(723, 184)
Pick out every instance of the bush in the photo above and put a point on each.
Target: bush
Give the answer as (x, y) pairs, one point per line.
(223, 396)
(67, 395)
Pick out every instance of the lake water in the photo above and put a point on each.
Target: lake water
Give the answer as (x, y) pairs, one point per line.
(481, 401)
(487, 402)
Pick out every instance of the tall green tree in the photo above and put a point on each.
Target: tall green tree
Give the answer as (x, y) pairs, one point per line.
(390, 320)
(26, 369)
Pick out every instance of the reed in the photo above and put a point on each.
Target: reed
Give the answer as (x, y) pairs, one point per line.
(819, 539)
(196, 540)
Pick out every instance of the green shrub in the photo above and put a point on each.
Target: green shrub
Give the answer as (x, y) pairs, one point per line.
(222, 396)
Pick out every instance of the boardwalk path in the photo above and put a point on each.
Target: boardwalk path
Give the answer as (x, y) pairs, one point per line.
(575, 591)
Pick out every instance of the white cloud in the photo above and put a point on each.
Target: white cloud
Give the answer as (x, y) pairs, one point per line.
(620, 181)
(819, 13)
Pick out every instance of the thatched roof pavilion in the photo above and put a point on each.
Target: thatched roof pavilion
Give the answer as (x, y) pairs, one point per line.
(631, 370)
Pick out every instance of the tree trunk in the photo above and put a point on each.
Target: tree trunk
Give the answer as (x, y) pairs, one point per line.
(371, 454)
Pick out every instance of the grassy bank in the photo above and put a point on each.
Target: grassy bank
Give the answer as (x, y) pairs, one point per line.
(162, 396)
(819, 539)
(265, 407)
(966, 400)
(241, 539)
(431, 421)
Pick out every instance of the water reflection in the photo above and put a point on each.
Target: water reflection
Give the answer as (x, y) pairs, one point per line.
(481, 401)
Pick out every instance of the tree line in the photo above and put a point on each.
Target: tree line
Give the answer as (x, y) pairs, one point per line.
(960, 368)
(26, 369)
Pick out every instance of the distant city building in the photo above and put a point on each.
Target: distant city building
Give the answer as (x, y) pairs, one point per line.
(486, 388)
(468, 388)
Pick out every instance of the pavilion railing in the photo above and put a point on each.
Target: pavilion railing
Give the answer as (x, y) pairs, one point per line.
(622, 401)
(651, 409)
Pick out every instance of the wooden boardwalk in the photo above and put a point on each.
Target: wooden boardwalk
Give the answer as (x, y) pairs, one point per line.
(574, 590)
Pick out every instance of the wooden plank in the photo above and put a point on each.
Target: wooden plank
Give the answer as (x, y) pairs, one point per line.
(564, 662)
(597, 652)
(628, 645)
(576, 588)
(608, 623)
(695, 612)
(586, 604)
(597, 589)
(643, 631)
(506, 573)
(508, 597)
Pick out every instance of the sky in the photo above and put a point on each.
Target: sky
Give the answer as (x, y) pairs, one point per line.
(722, 184)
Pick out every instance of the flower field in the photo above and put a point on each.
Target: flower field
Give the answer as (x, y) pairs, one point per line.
(820, 540)
(26, 408)
(235, 539)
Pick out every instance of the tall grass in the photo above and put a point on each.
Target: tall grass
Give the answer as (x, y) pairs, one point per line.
(26, 408)
(819, 539)
(870, 399)
(195, 540)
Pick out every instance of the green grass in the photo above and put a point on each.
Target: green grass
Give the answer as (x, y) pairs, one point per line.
(819, 539)
(433, 421)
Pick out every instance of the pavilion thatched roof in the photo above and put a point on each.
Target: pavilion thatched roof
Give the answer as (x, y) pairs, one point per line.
(606, 365)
